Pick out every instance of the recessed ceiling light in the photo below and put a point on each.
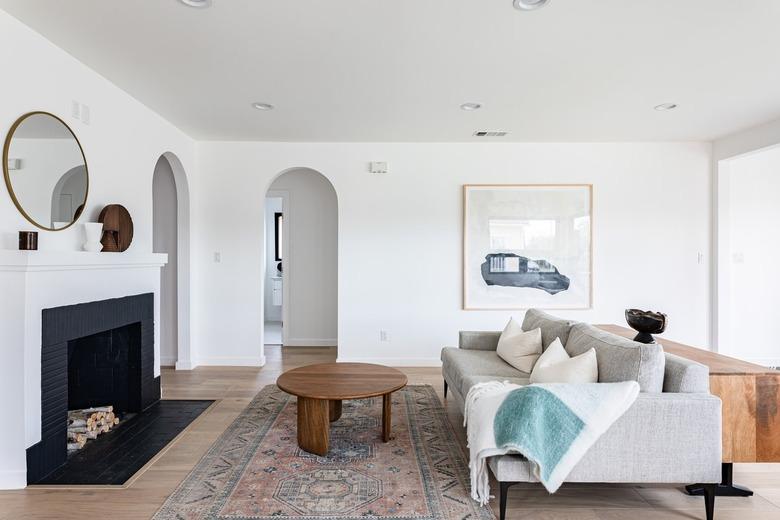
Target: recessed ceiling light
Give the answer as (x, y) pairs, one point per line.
(469, 107)
(263, 106)
(197, 3)
(529, 5)
(665, 106)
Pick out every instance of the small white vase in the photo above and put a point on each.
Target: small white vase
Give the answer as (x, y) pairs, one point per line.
(94, 232)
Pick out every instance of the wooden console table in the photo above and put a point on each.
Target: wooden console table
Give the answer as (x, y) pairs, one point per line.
(751, 405)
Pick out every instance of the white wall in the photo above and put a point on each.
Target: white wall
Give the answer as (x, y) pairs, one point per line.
(724, 151)
(122, 142)
(751, 219)
(165, 209)
(311, 231)
(400, 237)
(273, 205)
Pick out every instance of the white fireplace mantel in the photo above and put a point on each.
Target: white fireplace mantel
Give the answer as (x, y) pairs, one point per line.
(12, 260)
(31, 281)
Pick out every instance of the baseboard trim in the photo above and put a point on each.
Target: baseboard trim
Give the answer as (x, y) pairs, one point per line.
(257, 361)
(167, 361)
(185, 365)
(393, 362)
(13, 479)
(292, 342)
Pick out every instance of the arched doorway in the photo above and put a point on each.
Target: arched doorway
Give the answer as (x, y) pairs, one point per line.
(71, 187)
(170, 195)
(301, 299)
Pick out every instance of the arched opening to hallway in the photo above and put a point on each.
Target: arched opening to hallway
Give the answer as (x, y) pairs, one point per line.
(301, 261)
(170, 196)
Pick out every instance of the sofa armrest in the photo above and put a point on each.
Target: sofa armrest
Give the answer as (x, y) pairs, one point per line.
(662, 438)
(685, 376)
(478, 340)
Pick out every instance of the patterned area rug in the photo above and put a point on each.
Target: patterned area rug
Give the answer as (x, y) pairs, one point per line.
(255, 470)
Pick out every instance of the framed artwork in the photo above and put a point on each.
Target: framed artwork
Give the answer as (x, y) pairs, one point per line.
(527, 246)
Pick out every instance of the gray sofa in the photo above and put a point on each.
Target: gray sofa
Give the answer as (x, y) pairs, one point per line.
(671, 434)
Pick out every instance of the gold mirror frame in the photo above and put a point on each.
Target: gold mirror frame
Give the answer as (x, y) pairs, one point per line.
(7, 175)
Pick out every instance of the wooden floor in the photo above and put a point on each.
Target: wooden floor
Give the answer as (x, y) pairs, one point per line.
(236, 386)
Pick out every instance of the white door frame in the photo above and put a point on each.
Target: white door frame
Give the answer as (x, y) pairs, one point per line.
(286, 197)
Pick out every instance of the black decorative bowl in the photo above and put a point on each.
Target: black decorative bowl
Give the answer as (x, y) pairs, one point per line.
(646, 323)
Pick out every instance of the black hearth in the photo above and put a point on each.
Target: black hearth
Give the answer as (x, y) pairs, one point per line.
(92, 354)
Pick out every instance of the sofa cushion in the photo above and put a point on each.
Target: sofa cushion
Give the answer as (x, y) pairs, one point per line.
(556, 366)
(478, 340)
(620, 359)
(685, 376)
(458, 364)
(551, 326)
(470, 381)
(519, 348)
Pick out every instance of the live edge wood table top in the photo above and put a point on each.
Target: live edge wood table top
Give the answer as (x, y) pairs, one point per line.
(750, 395)
(321, 388)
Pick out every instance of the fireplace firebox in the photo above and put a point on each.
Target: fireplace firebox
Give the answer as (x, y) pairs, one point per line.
(92, 354)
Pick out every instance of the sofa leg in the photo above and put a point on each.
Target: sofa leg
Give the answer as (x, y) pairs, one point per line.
(709, 500)
(726, 488)
(504, 491)
(445, 389)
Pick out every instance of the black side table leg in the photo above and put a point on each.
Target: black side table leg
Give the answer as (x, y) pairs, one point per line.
(726, 488)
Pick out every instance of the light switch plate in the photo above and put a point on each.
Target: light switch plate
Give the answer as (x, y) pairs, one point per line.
(378, 167)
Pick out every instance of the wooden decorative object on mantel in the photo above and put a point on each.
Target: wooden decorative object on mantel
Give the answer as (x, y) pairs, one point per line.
(751, 415)
(117, 228)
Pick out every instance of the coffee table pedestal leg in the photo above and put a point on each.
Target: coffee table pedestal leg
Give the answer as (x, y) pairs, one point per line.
(387, 413)
(334, 410)
(313, 425)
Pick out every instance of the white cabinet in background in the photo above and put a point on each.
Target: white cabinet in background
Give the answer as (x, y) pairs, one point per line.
(276, 288)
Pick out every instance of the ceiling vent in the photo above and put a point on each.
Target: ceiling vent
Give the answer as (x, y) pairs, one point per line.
(490, 133)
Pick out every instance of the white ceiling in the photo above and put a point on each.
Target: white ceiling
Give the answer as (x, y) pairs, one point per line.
(369, 70)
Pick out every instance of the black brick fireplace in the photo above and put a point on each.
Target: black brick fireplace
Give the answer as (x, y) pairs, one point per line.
(92, 354)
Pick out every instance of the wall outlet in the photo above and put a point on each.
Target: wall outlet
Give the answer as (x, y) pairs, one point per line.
(75, 109)
(384, 336)
(217, 257)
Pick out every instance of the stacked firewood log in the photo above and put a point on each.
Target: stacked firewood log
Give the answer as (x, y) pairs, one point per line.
(88, 423)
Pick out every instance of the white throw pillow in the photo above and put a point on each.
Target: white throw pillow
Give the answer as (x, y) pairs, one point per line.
(555, 366)
(518, 348)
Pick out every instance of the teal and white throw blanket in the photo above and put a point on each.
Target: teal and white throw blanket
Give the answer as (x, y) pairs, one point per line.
(552, 425)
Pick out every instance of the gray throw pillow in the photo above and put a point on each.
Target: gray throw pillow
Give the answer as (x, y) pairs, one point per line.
(620, 359)
(551, 326)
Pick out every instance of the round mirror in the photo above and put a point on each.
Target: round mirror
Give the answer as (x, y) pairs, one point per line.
(45, 171)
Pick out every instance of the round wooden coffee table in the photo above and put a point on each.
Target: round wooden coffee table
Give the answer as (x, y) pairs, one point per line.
(321, 388)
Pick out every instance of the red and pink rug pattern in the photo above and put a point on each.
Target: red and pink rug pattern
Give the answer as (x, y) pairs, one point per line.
(256, 470)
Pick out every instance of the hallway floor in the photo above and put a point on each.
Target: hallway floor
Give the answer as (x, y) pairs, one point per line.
(273, 333)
